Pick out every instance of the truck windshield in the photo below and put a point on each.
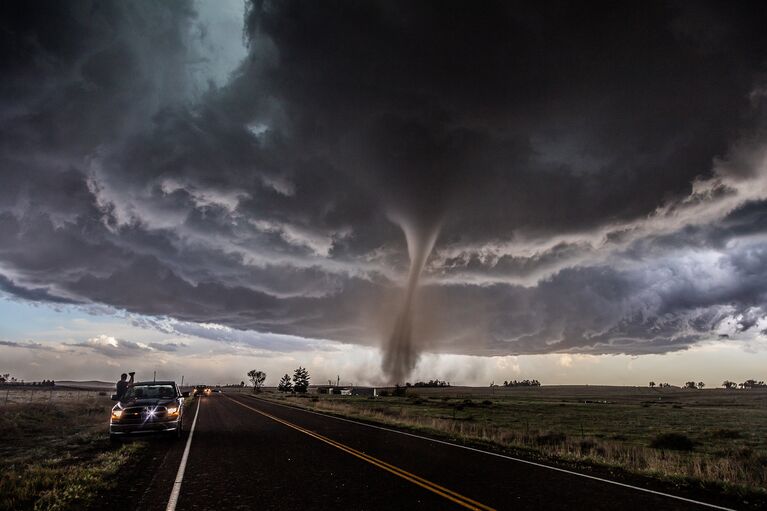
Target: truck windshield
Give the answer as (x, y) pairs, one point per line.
(150, 392)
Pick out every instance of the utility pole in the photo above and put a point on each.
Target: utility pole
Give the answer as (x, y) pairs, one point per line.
(182, 380)
(154, 377)
(338, 380)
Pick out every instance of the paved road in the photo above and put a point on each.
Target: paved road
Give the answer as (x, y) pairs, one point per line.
(250, 454)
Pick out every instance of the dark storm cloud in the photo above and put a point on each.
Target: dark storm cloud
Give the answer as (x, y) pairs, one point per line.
(32, 294)
(546, 118)
(586, 170)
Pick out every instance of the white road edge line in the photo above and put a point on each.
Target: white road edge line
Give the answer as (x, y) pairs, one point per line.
(182, 467)
(520, 460)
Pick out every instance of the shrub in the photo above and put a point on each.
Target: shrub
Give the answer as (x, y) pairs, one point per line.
(674, 441)
(487, 402)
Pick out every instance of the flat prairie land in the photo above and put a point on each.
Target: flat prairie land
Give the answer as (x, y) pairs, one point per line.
(10, 396)
(713, 438)
(54, 450)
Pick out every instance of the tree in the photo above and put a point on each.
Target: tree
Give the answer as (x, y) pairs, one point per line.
(701, 384)
(523, 383)
(690, 385)
(301, 380)
(729, 384)
(652, 384)
(285, 385)
(435, 383)
(257, 378)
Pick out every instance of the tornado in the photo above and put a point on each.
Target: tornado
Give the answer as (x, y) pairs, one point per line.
(401, 351)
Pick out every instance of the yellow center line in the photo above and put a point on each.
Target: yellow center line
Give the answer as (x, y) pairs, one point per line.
(459, 499)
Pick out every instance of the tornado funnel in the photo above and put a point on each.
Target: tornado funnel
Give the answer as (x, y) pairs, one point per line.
(402, 349)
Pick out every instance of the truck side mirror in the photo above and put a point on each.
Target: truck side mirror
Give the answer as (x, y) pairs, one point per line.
(115, 398)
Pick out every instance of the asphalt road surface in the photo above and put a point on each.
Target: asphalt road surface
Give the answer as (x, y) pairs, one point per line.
(246, 453)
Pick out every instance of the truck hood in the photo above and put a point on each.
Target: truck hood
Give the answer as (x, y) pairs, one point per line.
(147, 402)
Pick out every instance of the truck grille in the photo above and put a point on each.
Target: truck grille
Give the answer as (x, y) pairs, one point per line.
(141, 414)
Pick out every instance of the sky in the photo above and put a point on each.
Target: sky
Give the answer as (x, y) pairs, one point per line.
(384, 191)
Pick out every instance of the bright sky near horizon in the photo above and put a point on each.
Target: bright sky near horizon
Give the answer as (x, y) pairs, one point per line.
(70, 342)
(200, 188)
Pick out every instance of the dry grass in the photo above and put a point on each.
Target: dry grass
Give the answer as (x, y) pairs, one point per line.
(13, 396)
(728, 431)
(56, 455)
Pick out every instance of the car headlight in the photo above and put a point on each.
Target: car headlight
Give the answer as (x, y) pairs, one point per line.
(116, 414)
(173, 410)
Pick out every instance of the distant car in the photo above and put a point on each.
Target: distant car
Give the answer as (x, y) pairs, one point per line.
(148, 407)
(200, 390)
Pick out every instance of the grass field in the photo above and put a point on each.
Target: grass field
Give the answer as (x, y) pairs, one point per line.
(714, 438)
(54, 451)
(10, 396)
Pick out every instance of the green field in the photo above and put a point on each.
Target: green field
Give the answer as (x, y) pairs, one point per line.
(55, 452)
(720, 442)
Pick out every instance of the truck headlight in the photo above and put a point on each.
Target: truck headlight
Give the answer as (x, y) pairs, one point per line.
(173, 410)
(116, 414)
